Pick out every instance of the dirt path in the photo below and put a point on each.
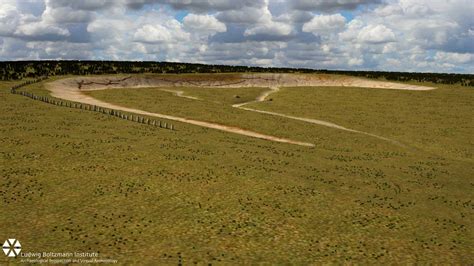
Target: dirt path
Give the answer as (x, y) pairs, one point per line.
(73, 94)
(178, 93)
(264, 96)
(72, 89)
(261, 98)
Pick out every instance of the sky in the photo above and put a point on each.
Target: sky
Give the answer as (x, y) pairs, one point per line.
(387, 35)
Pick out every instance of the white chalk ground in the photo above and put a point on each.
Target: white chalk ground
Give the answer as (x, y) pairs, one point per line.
(71, 89)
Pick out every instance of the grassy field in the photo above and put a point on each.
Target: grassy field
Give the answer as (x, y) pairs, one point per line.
(78, 181)
(436, 121)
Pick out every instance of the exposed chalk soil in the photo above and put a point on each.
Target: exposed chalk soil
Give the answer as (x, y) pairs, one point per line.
(72, 89)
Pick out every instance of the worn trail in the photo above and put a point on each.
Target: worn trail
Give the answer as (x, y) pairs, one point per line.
(78, 96)
(72, 89)
(264, 96)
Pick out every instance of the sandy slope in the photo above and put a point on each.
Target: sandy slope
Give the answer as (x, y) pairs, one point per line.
(71, 89)
(244, 80)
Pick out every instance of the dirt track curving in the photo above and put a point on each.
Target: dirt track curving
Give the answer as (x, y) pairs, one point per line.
(76, 95)
(71, 89)
(272, 90)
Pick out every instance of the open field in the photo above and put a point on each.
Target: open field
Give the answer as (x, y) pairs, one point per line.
(80, 181)
(73, 89)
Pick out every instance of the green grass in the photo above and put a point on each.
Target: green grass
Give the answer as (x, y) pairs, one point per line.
(437, 121)
(224, 96)
(77, 181)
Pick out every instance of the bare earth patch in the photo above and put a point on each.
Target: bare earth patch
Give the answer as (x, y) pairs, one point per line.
(71, 89)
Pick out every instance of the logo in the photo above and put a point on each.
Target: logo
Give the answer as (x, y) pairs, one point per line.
(11, 247)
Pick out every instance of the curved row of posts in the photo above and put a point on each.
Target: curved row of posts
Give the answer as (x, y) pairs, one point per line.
(87, 107)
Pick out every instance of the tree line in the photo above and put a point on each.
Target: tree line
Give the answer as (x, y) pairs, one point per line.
(17, 70)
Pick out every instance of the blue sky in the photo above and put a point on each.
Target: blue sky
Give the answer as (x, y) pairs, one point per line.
(349, 15)
(180, 15)
(391, 35)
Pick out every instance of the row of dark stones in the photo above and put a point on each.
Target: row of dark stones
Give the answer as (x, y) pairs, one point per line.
(87, 107)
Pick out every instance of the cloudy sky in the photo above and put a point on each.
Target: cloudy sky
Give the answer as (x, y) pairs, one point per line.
(393, 35)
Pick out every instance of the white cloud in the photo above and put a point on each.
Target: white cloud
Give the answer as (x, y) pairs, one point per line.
(203, 23)
(376, 34)
(41, 31)
(101, 28)
(246, 15)
(325, 24)
(295, 16)
(356, 61)
(160, 34)
(10, 17)
(271, 28)
(66, 15)
(352, 30)
(414, 35)
(268, 28)
(153, 33)
(456, 58)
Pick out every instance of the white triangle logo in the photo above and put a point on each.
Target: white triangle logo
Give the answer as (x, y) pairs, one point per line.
(11, 247)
